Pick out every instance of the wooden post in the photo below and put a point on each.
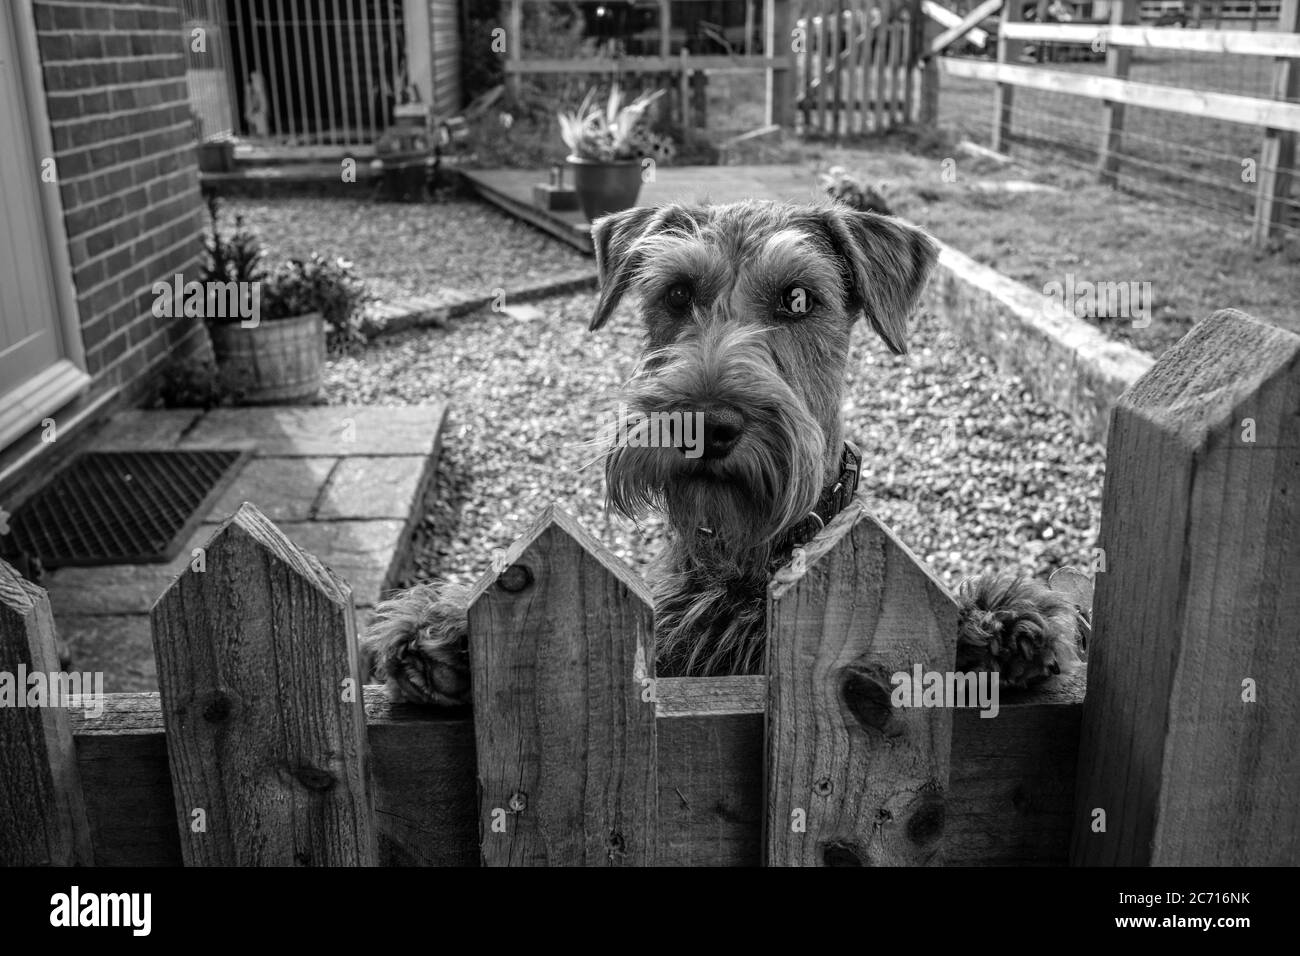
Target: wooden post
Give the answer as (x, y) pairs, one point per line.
(853, 780)
(1188, 752)
(925, 30)
(914, 36)
(42, 812)
(515, 46)
(1277, 154)
(257, 668)
(782, 85)
(1004, 95)
(562, 657)
(1112, 113)
(684, 97)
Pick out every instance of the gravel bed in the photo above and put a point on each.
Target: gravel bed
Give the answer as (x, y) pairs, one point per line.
(443, 250)
(967, 468)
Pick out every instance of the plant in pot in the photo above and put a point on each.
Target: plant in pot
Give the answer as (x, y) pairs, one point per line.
(301, 307)
(602, 150)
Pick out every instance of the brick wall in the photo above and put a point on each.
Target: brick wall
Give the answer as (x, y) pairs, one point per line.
(124, 151)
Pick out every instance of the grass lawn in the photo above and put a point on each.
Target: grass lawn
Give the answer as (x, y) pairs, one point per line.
(1195, 266)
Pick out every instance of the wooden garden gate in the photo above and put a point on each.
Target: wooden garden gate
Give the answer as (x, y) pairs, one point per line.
(856, 65)
(262, 749)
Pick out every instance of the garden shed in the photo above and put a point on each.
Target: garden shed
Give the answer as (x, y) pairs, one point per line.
(319, 72)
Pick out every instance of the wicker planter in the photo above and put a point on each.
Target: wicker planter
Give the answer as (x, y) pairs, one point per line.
(605, 187)
(278, 362)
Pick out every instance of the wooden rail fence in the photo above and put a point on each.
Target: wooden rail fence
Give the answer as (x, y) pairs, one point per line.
(1278, 114)
(261, 747)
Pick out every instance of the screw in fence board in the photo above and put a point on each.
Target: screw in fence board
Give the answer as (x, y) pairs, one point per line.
(261, 698)
(42, 812)
(851, 779)
(1112, 113)
(1188, 749)
(562, 660)
(1278, 151)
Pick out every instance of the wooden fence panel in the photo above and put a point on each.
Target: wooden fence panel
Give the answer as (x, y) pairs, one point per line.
(257, 669)
(851, 780)
(42, 814)
(562, 654)
(1188, 753)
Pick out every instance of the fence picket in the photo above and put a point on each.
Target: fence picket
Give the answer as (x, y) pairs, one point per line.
(1196, 611)
(851, 780)
(562, 649)
(262, 703)
(42, 813)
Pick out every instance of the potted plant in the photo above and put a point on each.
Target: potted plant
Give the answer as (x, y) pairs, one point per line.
(301, 307)
(602, 151)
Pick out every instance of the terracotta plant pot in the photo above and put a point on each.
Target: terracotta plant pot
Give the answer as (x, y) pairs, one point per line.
(278, 362)
(605, 187)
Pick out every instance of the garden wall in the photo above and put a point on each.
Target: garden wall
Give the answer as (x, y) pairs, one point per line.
(1064, 361)
(124, 153)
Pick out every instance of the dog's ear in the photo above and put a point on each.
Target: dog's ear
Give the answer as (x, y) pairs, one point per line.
(888, 263)
(614, 236)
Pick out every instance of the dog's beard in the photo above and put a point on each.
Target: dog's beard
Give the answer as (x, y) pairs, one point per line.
(769, 481)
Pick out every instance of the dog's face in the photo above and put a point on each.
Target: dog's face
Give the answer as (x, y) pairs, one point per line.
(748, 310)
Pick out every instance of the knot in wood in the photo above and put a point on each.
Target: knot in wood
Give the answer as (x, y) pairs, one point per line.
(518, 802)
(515, 578)
(823, 787)
(313, 778)
(217, 707)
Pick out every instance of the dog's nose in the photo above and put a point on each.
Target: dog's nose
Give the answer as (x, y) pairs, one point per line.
(723, 427)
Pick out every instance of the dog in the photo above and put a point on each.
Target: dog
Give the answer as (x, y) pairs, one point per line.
(748, 310)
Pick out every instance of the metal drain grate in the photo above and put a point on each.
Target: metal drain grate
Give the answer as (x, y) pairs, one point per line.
(121, 507)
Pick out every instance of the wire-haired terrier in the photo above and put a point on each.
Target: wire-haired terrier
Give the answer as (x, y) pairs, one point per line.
(748, 309)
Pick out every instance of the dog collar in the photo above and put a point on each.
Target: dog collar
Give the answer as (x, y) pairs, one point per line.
(835, 497)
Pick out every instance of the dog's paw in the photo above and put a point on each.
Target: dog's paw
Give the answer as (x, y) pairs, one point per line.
(1017, 627)
(417, 644)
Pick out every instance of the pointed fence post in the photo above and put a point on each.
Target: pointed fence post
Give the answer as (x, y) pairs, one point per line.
(42, 813)
(562, 650)
(1188, 753)
(257, 668)
(851, 779)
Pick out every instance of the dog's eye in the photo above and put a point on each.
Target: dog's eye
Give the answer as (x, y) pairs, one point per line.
(796, 300)
(678, 297)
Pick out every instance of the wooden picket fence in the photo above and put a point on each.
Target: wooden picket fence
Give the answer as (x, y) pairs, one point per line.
(855, 66)
(260, 750)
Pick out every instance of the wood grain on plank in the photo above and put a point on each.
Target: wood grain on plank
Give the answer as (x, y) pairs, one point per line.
(1011, 789)
(560, 643)
(1201, 593)
(265, 734)
(853, 780)
(42, 814)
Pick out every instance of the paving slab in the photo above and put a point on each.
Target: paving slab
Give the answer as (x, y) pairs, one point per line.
(324, 430)
(372, 487)
(363, 553)
(118, 646)
(138, 429)
(117, 588)
(284, 489)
